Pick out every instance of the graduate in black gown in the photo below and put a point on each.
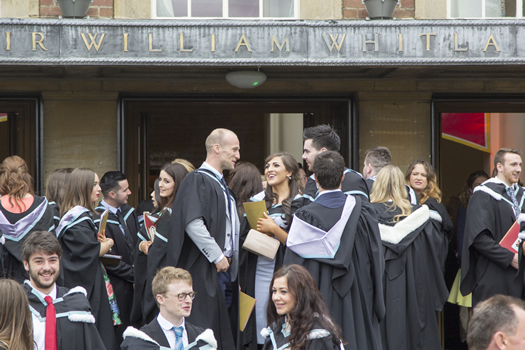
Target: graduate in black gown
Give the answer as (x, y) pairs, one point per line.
(414, 286)
(298, 318)
(203, 238)
(82, 249)
(282, 197)
(75, 325)
(322, 138)
(487, 268)
(337, 239)
(152, 250)
(21, 212)
(56, 184)
(122, 227)
(173, 291)
(421, 177)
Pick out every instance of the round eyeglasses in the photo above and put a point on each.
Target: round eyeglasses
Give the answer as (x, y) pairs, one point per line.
(182, 296)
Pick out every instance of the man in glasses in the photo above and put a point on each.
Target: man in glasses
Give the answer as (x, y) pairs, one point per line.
(173, 291)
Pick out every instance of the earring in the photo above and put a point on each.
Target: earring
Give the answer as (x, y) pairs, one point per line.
(289, 177)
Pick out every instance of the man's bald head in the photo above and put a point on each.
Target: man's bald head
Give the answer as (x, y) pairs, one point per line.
(217, 137)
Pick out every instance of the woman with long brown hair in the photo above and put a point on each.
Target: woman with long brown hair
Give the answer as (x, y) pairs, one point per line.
(422, 178)
(245, 182)
(298, 318)
(414, 287)
(56, 184)
(16, 326)
(283, 196)
(21, 212)
(82, 249)
(151, 251)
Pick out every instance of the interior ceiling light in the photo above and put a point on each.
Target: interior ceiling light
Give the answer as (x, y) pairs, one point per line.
(246, 79)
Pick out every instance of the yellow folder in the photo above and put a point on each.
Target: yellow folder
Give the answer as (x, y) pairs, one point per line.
(254, 211)
(246, 305)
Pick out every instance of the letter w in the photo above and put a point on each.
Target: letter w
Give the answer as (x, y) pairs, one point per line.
(93, 39)
(334, 41)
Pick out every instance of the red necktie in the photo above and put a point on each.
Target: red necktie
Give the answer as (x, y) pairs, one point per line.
(51, 325)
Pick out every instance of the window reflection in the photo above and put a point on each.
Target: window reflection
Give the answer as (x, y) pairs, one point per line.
(206, 8)
(244, 8)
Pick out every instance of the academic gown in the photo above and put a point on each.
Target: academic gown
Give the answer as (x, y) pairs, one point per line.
(200, 195)
(13, 235)
(138, 313)
(353, 183)
(75, 323)
(56, 213)
(77, 234)
(121, 275)
(155, 260)
(350, 279)
(414, 287)
(248, 264)
(152, 337)
(277, 338)
(485, 265)
(443, 224)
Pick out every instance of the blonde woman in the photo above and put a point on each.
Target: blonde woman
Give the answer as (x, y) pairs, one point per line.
(414, 287)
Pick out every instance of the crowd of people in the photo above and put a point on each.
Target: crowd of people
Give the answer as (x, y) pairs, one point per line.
(360, 262)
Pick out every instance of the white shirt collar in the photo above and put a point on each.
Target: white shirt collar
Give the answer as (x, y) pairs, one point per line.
(328, 191)
(167, 325)
(53, 293)
(496, 179)
(111, 208)
(212, 169)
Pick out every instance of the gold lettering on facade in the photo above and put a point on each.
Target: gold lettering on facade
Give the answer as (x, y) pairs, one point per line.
(8, 41)
(243, 42)
(212, 43)
(456, 47)
(400, 39)
(151, 49)
(375, 42)
(428, 35)
(491, 42)
(281, 46)
(39, 42)
(182, 49)
(333, 42)
(126, 42)
(93, 39)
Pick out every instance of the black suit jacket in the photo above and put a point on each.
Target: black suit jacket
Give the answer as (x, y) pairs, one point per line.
(154, 330)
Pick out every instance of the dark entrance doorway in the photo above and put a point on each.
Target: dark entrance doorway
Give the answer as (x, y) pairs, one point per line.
(21, 134)
(156, 131)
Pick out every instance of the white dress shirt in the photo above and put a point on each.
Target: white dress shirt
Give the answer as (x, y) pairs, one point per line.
(167, 326)
(39, 327)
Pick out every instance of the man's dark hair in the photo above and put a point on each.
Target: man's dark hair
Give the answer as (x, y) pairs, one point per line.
(379, 157)
(495, 314)
(40, 241)
(499, 157)
(110, 182)
(322, 136)
(329, 168)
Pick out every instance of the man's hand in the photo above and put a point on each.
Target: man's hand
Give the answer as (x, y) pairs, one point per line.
(222, 266)
(514, 262)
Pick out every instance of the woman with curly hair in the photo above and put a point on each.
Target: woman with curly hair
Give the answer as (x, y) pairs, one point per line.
(21, 212)
(422, 178)
(16, 326)
(282, 197)
(298, 318)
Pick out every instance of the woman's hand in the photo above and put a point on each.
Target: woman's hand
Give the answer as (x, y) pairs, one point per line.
(105, 245)
(266, 225)
(144, 246)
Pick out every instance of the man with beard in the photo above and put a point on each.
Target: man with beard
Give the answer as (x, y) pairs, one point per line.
(62, 317)
(321, 138)
(487, 268)
(203, 237)
(122, 226)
